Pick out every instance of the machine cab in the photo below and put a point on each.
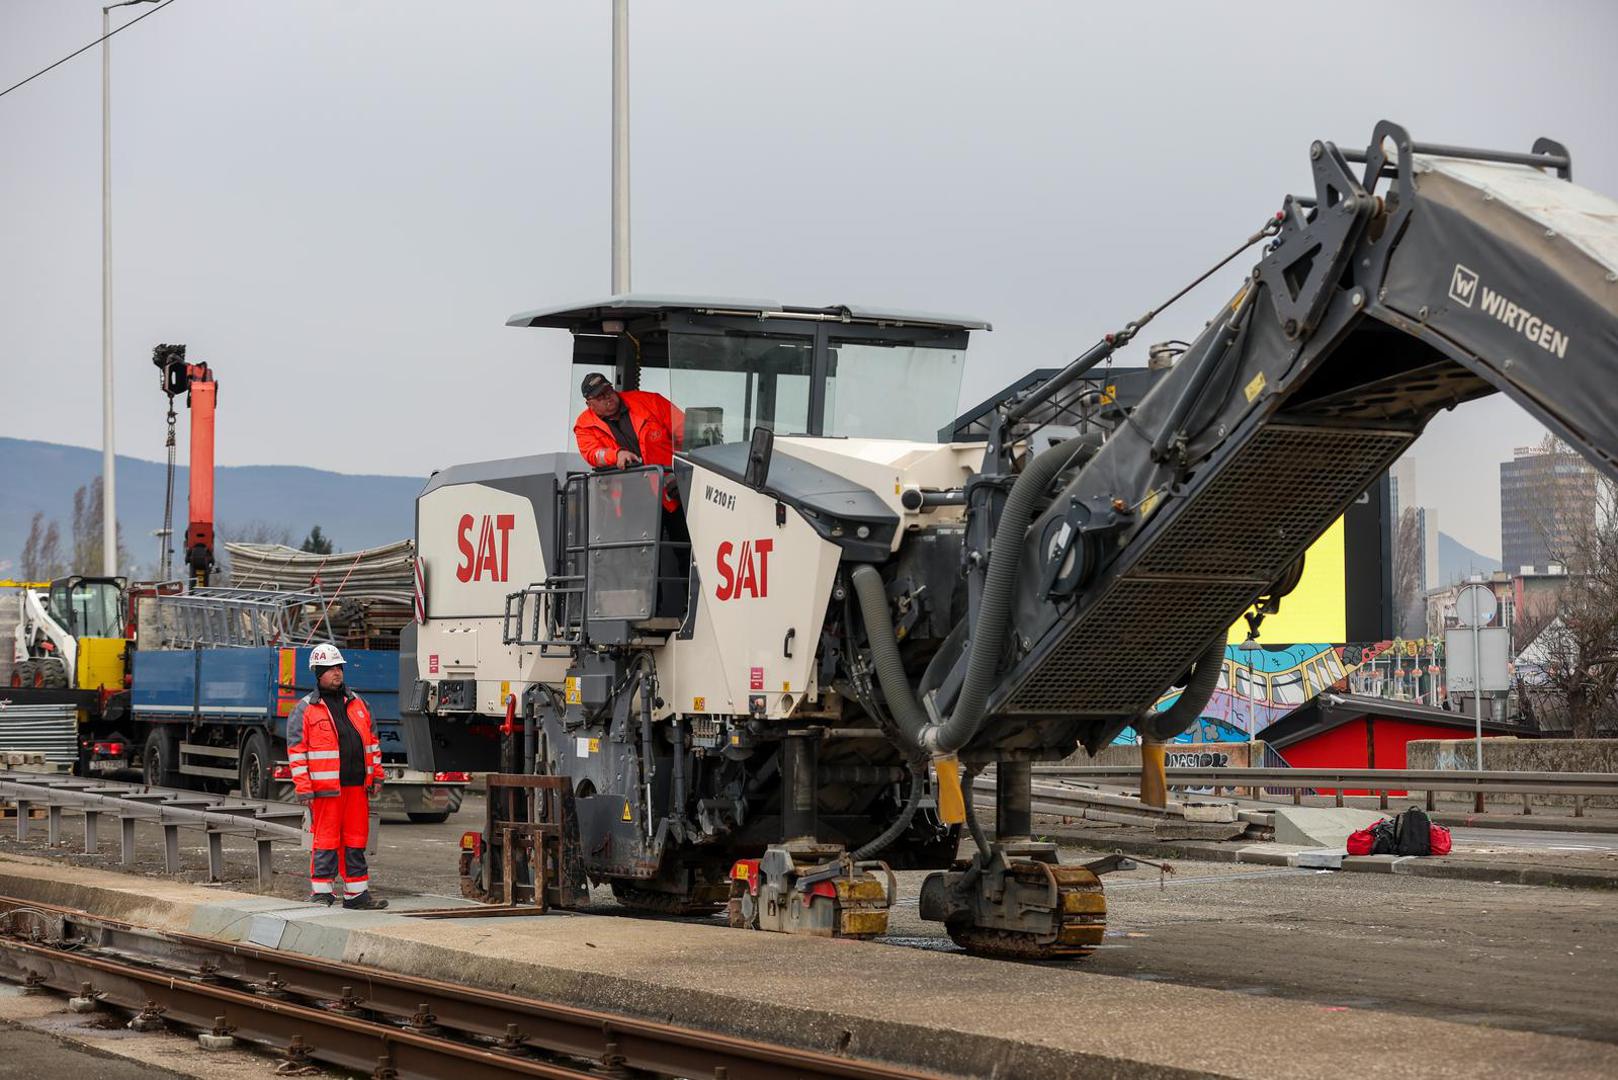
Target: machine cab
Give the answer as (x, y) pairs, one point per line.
(730, 367)
(733, 365)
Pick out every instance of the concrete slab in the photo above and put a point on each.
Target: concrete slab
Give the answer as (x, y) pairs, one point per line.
(1321, 826)
(946, 1012)
(1319, 858)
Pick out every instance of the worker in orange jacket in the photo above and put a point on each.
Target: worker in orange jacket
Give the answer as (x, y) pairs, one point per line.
(620, 429)
(336, 766)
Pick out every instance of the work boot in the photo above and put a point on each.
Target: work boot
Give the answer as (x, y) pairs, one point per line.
(364, 902)
(325, 898)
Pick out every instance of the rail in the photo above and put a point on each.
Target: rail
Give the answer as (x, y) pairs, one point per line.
(368, 1020)
(1380, 781)
(266, 823)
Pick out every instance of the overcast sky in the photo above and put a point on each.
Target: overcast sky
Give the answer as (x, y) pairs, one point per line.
(337, 203)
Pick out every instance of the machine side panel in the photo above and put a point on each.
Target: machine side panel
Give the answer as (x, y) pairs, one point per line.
(478, 542)
(764, 590)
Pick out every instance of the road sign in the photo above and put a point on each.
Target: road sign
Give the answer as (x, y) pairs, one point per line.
(1494, 667)
(1475, 606)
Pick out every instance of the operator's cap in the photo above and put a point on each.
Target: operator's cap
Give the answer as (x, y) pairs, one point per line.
(594, 385)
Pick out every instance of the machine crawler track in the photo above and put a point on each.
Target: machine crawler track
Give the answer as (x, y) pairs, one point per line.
(700, 902)
(1081, 913)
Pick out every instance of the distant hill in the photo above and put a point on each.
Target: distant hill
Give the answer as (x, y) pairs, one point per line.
(354, 511)
(1457, 562)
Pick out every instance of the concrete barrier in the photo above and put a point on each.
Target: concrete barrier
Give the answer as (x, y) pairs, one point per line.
(1221, 755)
(1509, 754)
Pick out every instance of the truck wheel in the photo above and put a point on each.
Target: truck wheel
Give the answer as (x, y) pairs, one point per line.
(256, 767)
(429, 817)
(157, 761)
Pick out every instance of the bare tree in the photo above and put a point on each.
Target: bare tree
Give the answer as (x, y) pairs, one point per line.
(87, 539)
(1573, 650)
(42, 552)
(1409, 602)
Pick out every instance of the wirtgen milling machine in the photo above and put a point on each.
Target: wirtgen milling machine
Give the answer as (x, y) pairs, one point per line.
(862, 612)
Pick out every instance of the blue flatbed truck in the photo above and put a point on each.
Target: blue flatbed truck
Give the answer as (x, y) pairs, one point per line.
(216, 717)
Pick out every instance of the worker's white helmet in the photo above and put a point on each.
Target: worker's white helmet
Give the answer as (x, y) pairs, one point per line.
(324, 655)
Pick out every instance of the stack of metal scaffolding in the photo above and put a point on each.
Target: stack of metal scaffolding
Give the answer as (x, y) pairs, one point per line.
(365, 596)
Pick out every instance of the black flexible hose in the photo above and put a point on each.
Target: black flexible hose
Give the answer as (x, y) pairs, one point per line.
(1198, 689)
(972, 825)
(994, 612)
(918, 773)
(907, 712)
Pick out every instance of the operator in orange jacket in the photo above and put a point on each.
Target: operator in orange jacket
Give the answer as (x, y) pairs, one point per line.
(620, 429)
(336, 770)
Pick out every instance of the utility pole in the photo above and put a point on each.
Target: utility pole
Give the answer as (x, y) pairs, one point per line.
(620, 146)
(109, 487)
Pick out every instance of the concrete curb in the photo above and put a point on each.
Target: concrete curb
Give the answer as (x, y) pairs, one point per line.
(1457, 868)
(1531, 823)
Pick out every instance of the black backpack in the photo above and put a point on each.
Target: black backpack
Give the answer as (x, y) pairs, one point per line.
(1412, 833)
(1384, 838)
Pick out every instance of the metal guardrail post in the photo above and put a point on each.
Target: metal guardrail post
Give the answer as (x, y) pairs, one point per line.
(127, 825)
(171, 848)
(22, 818)
(53, 825)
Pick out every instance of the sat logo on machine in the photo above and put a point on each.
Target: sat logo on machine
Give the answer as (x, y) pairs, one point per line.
(489, 556)
(746, 570)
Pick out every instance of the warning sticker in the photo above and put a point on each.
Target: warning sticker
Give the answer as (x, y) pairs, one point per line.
(699, 704)
(432, 663)
(627, 816)
(571, 691)
(755, 680)
(583, 747)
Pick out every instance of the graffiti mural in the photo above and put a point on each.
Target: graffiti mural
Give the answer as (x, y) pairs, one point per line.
(1259, 686)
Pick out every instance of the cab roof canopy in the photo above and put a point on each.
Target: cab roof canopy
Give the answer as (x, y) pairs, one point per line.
(737, 363)
(587, 318)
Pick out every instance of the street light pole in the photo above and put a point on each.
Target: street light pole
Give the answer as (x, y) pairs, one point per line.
(109, 488)
(620, 147)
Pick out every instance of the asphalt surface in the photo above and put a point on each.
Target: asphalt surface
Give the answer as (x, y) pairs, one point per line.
(1529, 958)
(1534, 959)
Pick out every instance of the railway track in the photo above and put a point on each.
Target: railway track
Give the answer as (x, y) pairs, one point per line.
(370, 1021)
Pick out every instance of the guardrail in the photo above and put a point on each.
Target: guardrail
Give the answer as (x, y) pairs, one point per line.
(1380, 781)
(218, 816)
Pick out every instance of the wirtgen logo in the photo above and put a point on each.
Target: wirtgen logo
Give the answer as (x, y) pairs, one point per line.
(1466, 290)
(1463, 286)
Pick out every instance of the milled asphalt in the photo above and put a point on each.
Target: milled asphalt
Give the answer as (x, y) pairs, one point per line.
(927, 1007)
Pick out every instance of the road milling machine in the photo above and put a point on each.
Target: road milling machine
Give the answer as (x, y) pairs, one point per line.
(772, 695)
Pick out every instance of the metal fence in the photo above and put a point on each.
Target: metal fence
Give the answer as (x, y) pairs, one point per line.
(1381, 782)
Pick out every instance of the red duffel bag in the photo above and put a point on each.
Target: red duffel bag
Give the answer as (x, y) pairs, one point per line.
(1440, 839)
(1362, 842)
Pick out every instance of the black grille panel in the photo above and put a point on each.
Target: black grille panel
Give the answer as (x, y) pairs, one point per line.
(1269, 503)
(1142, 634)
(1203, 571)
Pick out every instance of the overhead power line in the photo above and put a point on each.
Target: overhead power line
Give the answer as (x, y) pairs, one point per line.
(88, 47)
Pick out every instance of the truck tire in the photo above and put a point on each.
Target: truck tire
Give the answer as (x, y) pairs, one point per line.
(257, 766)
(158, 761)
(429, 817)
(54, 673)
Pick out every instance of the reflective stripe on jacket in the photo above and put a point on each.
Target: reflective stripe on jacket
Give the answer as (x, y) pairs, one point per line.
(312, 744)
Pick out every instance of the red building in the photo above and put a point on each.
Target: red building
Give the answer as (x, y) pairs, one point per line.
(1342, 731)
